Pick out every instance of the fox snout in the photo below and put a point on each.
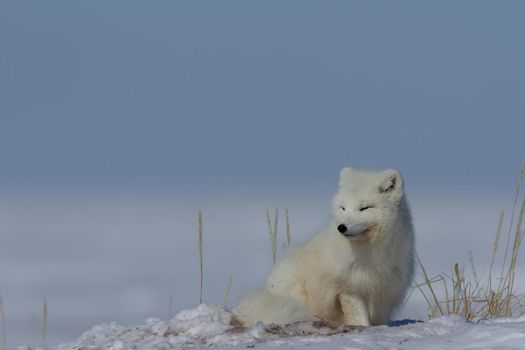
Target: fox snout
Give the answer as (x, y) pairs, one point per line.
(354, 230)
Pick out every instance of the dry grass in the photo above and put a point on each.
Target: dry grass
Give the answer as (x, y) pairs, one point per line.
(44, 325)
(201, 255)
(288, 234)
(3, 337)
(486, 296)
(272, 231)
(227, 292)
(170, 308)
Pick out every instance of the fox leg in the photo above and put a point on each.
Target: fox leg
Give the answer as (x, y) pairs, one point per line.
(355, 309)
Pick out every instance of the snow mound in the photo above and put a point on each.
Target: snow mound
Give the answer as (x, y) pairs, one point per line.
(205, 325)
(213, 325)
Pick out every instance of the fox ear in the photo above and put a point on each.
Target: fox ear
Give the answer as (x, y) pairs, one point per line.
(344, 178)
(392, 185)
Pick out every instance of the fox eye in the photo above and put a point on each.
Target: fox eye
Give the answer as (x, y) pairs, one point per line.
(366, 207)
(342, 208)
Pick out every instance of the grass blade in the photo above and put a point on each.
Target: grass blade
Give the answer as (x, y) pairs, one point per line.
(44, 325)
(288, 235)
(201, 256)
(2, 325)
(227, 292)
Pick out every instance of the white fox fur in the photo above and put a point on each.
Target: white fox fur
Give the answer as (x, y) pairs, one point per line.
(358, 276)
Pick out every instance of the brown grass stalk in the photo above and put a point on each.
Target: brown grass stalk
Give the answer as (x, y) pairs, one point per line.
(201, 255)
(288, 234)
(2, 325)
(44, 324)
(227, 292)
(473, 268)
(509, 233)
(429, 285)
(512, 268)
(495, 249)
(170, 308)
(272, 232)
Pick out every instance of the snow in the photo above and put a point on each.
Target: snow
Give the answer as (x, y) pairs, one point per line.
(100, 260)
(215, 326)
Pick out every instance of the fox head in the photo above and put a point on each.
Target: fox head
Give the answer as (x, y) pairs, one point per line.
(367, 204)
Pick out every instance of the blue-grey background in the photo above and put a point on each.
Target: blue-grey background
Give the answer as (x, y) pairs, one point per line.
(221, 93)
(119, 119)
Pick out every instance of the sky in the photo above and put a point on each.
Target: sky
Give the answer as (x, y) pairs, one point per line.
(203, 94)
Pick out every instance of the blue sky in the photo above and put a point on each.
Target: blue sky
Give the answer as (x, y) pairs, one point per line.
(264, 94)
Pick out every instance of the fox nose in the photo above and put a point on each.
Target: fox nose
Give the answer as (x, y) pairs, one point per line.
(341, 228)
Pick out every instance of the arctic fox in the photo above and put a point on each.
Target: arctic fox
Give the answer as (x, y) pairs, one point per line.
(356, 271)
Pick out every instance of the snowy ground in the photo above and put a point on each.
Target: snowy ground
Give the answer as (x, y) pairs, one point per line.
(120, 258)
(212, 325)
